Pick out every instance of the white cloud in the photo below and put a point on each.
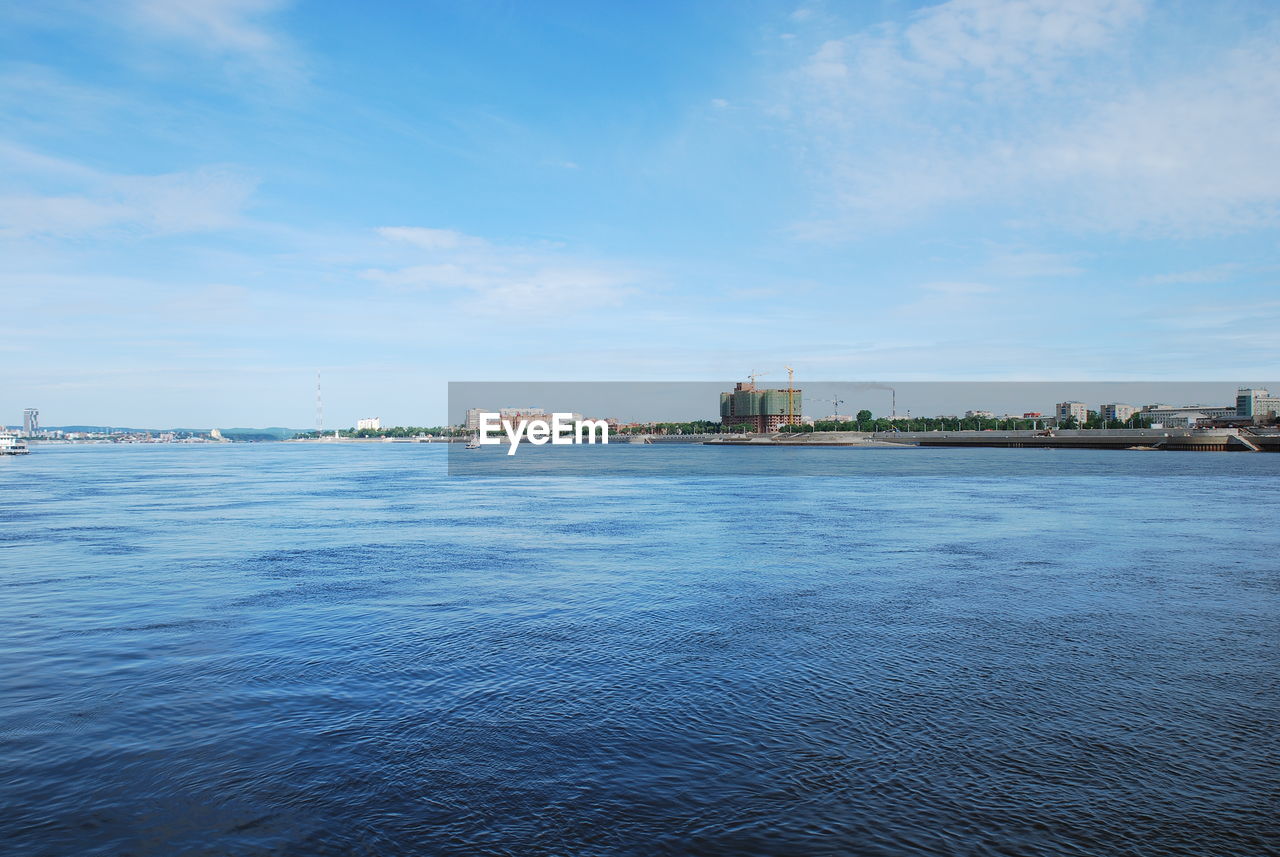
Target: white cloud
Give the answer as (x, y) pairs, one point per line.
(964, 105)
(1013, 38)
(969, 43)
(1195, 154)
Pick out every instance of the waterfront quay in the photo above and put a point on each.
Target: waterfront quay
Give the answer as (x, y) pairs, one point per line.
(1202, 440)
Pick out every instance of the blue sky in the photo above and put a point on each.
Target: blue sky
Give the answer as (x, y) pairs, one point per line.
(202, 203)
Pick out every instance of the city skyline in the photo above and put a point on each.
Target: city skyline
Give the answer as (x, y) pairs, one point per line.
(666, 401)
(201, 204)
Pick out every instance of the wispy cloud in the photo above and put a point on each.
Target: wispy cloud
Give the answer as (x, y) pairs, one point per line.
(42, 99)
(1244, 329)
(958, 288)
(238, 33)
(941, 300)
(87, 201)
(497, 279)
(1212, 274)
(1027, 265)
(429, 239)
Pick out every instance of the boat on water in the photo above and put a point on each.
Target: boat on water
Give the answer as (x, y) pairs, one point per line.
(10, 444)
(474, 442)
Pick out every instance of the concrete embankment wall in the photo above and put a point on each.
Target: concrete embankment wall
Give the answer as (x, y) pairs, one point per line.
(1212, 440)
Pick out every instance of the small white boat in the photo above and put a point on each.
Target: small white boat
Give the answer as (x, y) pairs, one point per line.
(11, 445)
(474, 442)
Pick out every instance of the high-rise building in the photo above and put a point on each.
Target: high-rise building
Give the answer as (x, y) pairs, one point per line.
(510, 418)
(518, 414)
(31, 422)
(1255, 403)
(760, 410)
(1067, 410)
(1117, 412)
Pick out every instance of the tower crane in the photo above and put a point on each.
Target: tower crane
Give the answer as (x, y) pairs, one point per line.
(791, 395)
(791, 391)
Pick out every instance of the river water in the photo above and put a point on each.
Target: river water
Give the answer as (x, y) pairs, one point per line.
(311, 649)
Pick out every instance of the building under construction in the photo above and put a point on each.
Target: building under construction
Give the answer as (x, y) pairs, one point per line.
(760, 410)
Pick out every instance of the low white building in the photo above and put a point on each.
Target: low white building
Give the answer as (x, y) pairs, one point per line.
(1173, 419)
(1172, 416)
(1213, 412)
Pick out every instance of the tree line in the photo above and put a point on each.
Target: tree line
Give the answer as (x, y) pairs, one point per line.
(863, 421)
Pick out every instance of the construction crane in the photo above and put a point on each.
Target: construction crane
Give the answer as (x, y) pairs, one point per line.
(835, 404)
(791, 395)
(754, 375)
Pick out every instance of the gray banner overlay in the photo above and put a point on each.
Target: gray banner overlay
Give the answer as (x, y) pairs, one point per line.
(775, 427)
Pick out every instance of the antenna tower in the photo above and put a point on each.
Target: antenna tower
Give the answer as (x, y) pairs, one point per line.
(319, 406)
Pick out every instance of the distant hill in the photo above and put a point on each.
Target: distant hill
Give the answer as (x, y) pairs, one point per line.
(102, 428)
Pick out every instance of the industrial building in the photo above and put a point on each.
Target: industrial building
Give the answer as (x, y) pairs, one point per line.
(760, 410)
(372, 423)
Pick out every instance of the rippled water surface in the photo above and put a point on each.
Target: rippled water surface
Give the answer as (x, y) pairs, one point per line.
(334, 649)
